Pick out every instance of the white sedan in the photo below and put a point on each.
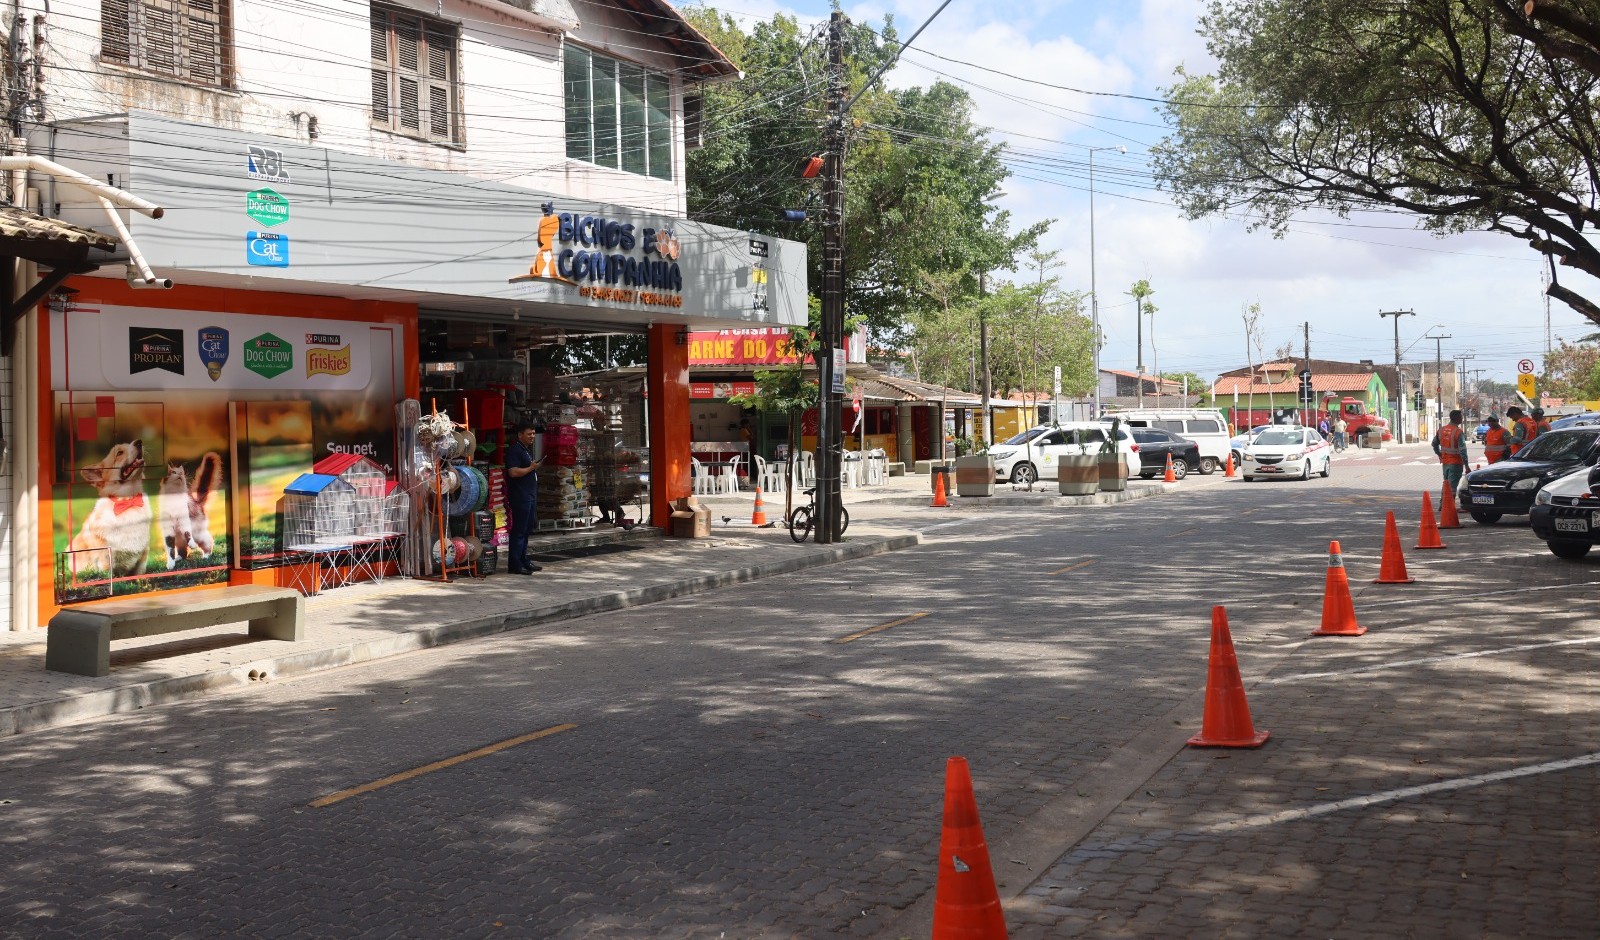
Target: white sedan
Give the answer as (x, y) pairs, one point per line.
(1287, 452)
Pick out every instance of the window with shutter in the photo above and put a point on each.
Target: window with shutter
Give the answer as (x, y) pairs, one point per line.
(414, 76)
(618, 115)
(188, 39)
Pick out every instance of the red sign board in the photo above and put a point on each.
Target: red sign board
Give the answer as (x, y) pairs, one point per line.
(720, 389)
(764, 346)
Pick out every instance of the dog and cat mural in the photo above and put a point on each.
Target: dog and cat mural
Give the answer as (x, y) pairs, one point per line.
(173, 475)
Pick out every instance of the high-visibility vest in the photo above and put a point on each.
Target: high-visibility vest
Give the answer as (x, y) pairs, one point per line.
(1529, 432)
(1542, 425)
(1496, 443)
(1449, 445)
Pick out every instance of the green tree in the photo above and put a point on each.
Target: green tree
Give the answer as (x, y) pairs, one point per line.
(1572, 371)
(1468, 114)
(921, 177)
(1197, 384)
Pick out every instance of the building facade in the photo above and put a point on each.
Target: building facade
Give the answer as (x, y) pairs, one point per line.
(362, 204)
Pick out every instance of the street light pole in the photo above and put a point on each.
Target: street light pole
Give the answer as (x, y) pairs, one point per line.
(1438, 378)
(1400, 385)
(1094, 293)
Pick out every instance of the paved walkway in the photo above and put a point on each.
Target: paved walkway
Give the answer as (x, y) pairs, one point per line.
(368, 621)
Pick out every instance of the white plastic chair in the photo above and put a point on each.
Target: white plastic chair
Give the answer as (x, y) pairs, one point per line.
(876, 462)
(729, 482)
(769, 474)
(850, 470)
(702, 482)
(808, 469)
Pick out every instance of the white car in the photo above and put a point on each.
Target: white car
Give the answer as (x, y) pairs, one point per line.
(1036, 453)
(1287, 452)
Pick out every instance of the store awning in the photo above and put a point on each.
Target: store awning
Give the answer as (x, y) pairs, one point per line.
(49, 243)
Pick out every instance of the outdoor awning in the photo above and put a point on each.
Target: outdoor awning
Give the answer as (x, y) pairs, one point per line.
(49, 243)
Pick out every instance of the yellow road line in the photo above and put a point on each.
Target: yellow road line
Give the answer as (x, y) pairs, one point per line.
(405, 775)
(881, 627)
(1081, 564)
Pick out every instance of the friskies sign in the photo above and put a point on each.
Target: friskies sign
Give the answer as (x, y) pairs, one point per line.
(608, 260)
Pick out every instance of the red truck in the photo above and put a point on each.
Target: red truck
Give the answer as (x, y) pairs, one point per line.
(1355, 415)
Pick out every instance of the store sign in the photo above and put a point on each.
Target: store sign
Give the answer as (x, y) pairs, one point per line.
(227, 352)
(213, 350)
(266, 249)
(606, 259)
(155, 349)
(327, 361)
(267, 207)
(720, 389)
(268, 356)
(758, 347)
(266, 163)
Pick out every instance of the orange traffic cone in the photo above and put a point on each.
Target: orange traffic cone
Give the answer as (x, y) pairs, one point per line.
(758, 516)
(1338, 612)
(1227, 717)
(939, 499)
(1393, 568)
(1448, 517)
(1229, 472)
(966, 904)
(1429, 537)
(1169, 478)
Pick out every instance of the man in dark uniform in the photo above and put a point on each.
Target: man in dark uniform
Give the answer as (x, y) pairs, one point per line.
(522, 487)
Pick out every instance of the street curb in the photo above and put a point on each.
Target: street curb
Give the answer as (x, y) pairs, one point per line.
(1028, 500)
(39, 716)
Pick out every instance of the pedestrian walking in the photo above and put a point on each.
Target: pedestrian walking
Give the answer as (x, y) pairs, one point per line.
(522, 488)
(1496, 441)
(1340, 426)
(1322, 426)
(1523, 429)
(1450, 443)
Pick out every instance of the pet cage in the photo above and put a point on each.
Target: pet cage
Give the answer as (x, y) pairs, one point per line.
(319, 513)
(371, 488)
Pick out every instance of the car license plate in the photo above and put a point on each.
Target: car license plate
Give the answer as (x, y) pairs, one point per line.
(1483, 500)
(1580, 524)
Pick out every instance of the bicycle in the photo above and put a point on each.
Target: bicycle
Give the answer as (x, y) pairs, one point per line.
(801, 521)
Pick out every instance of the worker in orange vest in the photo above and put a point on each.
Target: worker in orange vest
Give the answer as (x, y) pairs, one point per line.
(1450, 443)
(1523, 429)
(1496, 441)
(1539, 422)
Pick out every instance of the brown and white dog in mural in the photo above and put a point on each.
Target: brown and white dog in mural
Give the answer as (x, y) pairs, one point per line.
(184, 523)
(115, 538)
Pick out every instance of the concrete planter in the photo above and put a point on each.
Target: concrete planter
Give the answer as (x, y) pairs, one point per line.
(1113, 473)
(1078, 475)
(974, 476)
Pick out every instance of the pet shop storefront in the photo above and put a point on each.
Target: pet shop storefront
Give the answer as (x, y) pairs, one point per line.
(170, 420)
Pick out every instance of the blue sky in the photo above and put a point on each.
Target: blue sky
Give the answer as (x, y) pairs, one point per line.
(1484, 290)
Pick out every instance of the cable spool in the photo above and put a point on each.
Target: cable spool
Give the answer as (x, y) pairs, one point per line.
(449, 481)
(483, 490)
(474, 549)
(466, 495)
(459, 546)
(449, 551)
(468, 442)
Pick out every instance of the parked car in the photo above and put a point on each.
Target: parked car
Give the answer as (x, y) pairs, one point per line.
(1584, 420)
(1508, 487)
(1288, 452)
(1036, 453)
(1204, 426)
(1156, 446)
(1241, 441)
(1566, 513)
(1482, 429)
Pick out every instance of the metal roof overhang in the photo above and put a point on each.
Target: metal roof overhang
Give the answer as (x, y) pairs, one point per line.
(49, 243)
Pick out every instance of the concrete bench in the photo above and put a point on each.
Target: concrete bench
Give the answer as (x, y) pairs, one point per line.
(897, 469)
(79, 638)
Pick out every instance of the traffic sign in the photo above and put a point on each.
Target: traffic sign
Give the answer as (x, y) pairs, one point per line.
(1058, 382)
(1525, 366)
(1525, 385)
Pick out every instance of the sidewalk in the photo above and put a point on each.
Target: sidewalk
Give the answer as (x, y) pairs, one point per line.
(369, 621)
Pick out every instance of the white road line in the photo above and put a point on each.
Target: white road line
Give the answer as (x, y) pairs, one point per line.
(1476, 594)
(946, 525)
(1402, 663)
(1389, 796)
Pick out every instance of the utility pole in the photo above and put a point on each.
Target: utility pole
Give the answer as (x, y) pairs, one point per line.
(1461, 378)
(1303, 422)
(1399, 391)
(986, 422)
(1438, 378)
(830, 442)
(1138, 319)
